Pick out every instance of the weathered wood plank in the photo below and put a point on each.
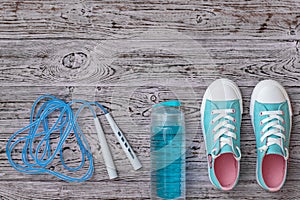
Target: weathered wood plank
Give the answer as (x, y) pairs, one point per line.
(62, 190)
(165, 62)
(116, 19)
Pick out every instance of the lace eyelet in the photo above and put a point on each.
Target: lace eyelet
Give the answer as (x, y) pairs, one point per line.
(212, 122)
(234, 120)
(261, 123)
(282, 113)
(233, 110)
(260, 113)
(212, 112)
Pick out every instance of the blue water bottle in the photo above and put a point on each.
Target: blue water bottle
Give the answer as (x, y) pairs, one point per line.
(167, 151)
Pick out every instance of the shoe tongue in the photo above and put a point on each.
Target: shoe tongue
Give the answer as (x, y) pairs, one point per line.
(223, 104)
(226, 149)
(274, 149)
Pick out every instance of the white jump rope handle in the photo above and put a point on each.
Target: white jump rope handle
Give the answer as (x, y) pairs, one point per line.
(124, 144)
(108, 160)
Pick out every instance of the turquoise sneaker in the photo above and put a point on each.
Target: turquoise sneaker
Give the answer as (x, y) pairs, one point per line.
(221, 113)
(271, 116)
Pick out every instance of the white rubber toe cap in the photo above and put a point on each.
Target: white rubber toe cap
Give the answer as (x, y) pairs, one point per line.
(269, 91)
(223, 90)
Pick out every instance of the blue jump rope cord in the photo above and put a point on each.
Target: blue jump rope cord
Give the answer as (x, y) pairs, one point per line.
(36, 161)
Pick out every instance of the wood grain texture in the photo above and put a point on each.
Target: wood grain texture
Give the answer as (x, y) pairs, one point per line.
(129, 55)
(121, 62)
(119, 19)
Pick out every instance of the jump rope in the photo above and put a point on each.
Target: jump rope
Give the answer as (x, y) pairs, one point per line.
(37, 153)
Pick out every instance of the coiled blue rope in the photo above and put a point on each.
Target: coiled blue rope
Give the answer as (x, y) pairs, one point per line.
(37, 160)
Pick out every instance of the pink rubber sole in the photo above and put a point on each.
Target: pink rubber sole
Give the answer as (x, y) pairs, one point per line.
(226, 170)
(273, 170)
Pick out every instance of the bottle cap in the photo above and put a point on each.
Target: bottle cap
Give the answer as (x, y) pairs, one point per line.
(166, 114)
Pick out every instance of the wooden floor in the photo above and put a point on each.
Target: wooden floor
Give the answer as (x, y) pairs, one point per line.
(130, 55)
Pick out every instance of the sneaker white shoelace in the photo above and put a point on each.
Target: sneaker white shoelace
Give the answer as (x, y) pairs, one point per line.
(273, 127)
(224, 128)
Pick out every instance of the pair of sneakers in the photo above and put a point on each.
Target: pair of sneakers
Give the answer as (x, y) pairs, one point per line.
(271, 116)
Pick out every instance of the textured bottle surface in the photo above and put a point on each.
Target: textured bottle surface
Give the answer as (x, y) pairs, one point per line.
(168, 156)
